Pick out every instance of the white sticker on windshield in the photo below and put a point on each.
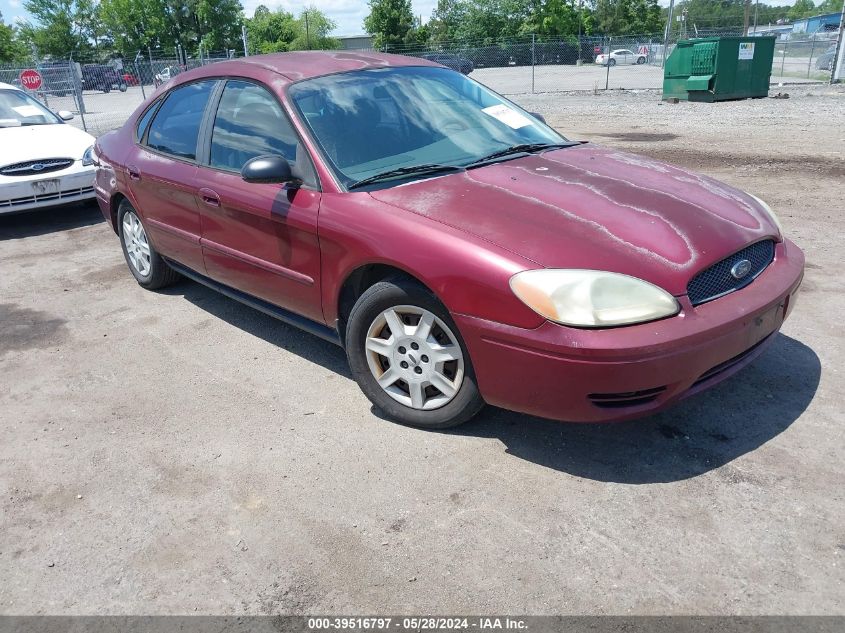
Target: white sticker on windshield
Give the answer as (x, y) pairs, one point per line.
(508, 116)
(27, 110)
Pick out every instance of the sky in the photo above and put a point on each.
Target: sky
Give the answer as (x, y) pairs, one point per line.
(348, 14)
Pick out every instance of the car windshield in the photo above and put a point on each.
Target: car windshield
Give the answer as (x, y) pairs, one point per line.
(18, 108)
(371, 122)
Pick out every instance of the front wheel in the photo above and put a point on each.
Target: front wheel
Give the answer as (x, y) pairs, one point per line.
(408, 358)
(612, 62)
(146, 265)
(641, 60)
(122, 86)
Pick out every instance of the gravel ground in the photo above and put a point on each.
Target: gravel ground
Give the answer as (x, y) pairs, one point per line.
(176, 452)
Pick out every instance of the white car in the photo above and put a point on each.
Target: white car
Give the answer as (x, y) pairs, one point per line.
(621, 56)
(43, 161)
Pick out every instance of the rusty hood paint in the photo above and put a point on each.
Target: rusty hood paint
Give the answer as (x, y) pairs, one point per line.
(595, 208)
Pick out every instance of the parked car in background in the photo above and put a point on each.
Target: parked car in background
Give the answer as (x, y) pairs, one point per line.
(165, 75)
(43, 161)
(101, 77)
(621, 56)
(59, 79)
(826, 60)
(459, 249)
(455, 62)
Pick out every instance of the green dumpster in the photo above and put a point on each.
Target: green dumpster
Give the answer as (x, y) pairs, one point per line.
(719, 68)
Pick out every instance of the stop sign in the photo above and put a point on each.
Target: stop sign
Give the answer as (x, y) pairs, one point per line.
(31, 79)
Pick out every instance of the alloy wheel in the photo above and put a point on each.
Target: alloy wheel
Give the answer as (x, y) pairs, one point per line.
(135, 241)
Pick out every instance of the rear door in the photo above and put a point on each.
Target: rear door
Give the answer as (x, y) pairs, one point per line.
(259, 238)
(162, 172)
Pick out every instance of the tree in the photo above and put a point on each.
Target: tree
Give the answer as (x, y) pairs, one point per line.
(801, 9)
(134, 25)
(312, 31)
(389, 22)
(629, 17)
(11, 48)
(217, 23)
(60, 28)
(552, 18)
(214, 24)
(829, 6)
(271, 31)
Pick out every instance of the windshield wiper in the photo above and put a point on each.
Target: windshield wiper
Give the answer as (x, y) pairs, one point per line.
(428, 168)
(524, 148)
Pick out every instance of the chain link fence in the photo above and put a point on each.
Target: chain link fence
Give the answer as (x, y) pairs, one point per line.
(632, 62)
(103, 92)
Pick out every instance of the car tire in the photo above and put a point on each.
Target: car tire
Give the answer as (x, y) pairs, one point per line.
(146, 265)
(123, 86)
(411, 399)
(612, 62)
(106, 89)
(640, 60)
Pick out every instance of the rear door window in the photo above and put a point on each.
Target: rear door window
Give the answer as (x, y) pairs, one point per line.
(176, 125)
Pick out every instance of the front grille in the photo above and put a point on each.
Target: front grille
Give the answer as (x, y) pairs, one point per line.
(35, 167)
(717, 280)
(625, 399)
(58, 197)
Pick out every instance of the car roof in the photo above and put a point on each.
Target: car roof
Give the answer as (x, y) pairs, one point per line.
(9, 87)
(306, 64)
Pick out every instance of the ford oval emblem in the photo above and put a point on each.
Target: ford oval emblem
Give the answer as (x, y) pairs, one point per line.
(741, 269)
(36, 167)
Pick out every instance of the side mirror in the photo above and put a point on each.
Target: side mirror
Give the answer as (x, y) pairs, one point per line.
(538, 116)
(268, 169)
(65, 115)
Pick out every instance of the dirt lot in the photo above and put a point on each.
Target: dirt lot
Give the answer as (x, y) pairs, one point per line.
(176, 452)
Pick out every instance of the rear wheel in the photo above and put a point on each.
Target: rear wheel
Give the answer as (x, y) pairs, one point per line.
(122, 86)
(146, 265)
(612, 62)
(408, 358)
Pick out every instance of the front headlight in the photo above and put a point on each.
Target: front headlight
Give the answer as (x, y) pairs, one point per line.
(771, 213)
(592, 298)
(89, 157)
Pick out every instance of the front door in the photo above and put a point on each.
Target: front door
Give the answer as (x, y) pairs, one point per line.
(259, 238)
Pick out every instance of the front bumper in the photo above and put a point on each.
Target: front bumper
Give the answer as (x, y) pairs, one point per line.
(73, 184)
(603, 375)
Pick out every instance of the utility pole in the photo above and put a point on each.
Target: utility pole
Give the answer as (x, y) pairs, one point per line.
(756, 8)
(839, 56)
(243, 37)
(668, 32)
(746, 17)
(580, 6)
(307, 32)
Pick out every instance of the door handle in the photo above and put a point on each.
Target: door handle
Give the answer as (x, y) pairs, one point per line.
(134, 172)
(210, 197)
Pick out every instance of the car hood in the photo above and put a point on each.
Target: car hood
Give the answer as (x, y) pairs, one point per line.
(34, 142)
(594, 208)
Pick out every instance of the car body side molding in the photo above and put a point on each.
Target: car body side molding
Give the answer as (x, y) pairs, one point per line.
(291, 318)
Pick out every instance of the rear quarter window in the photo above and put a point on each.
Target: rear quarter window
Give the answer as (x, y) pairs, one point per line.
(144, 121)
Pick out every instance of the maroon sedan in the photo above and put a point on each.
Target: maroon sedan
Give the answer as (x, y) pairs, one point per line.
(460, 250)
